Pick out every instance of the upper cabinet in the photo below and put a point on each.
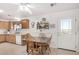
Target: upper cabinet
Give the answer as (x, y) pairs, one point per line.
(25, 24)
(5, 25)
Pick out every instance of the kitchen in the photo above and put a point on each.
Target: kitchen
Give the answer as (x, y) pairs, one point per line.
(10, 31)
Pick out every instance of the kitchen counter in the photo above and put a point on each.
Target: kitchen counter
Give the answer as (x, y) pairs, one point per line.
(12, 35)
(12, 38)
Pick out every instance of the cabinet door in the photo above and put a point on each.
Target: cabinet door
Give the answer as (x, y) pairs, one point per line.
(4, 25)
(25, 24)
(9, 25)
(11, 38)
(1, 25)
(2, 38)
(7, 37)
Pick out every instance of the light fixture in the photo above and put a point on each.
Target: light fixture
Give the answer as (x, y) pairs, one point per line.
(17, 18)
(1, 11)
(25, 7)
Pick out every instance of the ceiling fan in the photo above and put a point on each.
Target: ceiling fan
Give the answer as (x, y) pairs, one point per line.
(23, 7)
(26, 7)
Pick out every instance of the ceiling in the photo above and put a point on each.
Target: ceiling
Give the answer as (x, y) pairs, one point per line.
(11, 10)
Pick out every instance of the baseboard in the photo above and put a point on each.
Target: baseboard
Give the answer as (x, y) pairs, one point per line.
(11, 43)
(67, 49)
(2, 42)
(77, 50)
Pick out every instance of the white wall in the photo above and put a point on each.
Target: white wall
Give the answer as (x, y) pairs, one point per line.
(53, 18)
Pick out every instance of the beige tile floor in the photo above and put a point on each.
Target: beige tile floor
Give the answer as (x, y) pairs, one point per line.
(62, 52)
(13, 49)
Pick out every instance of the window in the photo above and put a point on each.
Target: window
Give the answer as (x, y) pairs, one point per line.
(66, 26)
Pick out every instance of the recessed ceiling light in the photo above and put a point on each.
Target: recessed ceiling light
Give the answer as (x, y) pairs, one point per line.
(17, 18)
(1, 11)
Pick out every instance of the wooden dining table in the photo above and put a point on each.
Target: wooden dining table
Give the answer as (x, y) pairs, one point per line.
(40, 42)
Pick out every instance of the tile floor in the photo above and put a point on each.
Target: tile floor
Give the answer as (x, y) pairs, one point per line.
(13, 49)
(63, 52)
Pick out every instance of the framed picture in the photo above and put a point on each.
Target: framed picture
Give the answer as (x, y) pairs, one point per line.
(43, 24)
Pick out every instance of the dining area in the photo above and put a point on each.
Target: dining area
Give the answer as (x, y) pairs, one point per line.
(50, 33)
(38, 45)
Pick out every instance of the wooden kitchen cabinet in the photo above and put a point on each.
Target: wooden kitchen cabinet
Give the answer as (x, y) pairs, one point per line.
(11, 38)
(25, 23)
(9, 25)
(23, 39)
(2, 38)
(7, 37)
(5, 25)
(12, 25)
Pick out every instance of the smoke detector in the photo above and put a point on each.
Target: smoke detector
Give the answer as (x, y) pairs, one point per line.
(52, 4)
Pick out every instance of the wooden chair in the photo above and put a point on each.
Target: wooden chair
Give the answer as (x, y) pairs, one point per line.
(46, 46)
(32, 47)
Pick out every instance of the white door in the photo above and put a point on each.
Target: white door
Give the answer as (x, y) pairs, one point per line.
(66, 33)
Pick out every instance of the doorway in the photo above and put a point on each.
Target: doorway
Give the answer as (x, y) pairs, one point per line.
(66, 33)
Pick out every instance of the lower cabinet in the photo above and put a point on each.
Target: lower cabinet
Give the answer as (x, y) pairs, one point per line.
(2, 37)
(11, 38)
(8, 38)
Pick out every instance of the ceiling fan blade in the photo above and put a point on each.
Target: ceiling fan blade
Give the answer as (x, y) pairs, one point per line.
(24, 7)
(27, 9)
(30, 6)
